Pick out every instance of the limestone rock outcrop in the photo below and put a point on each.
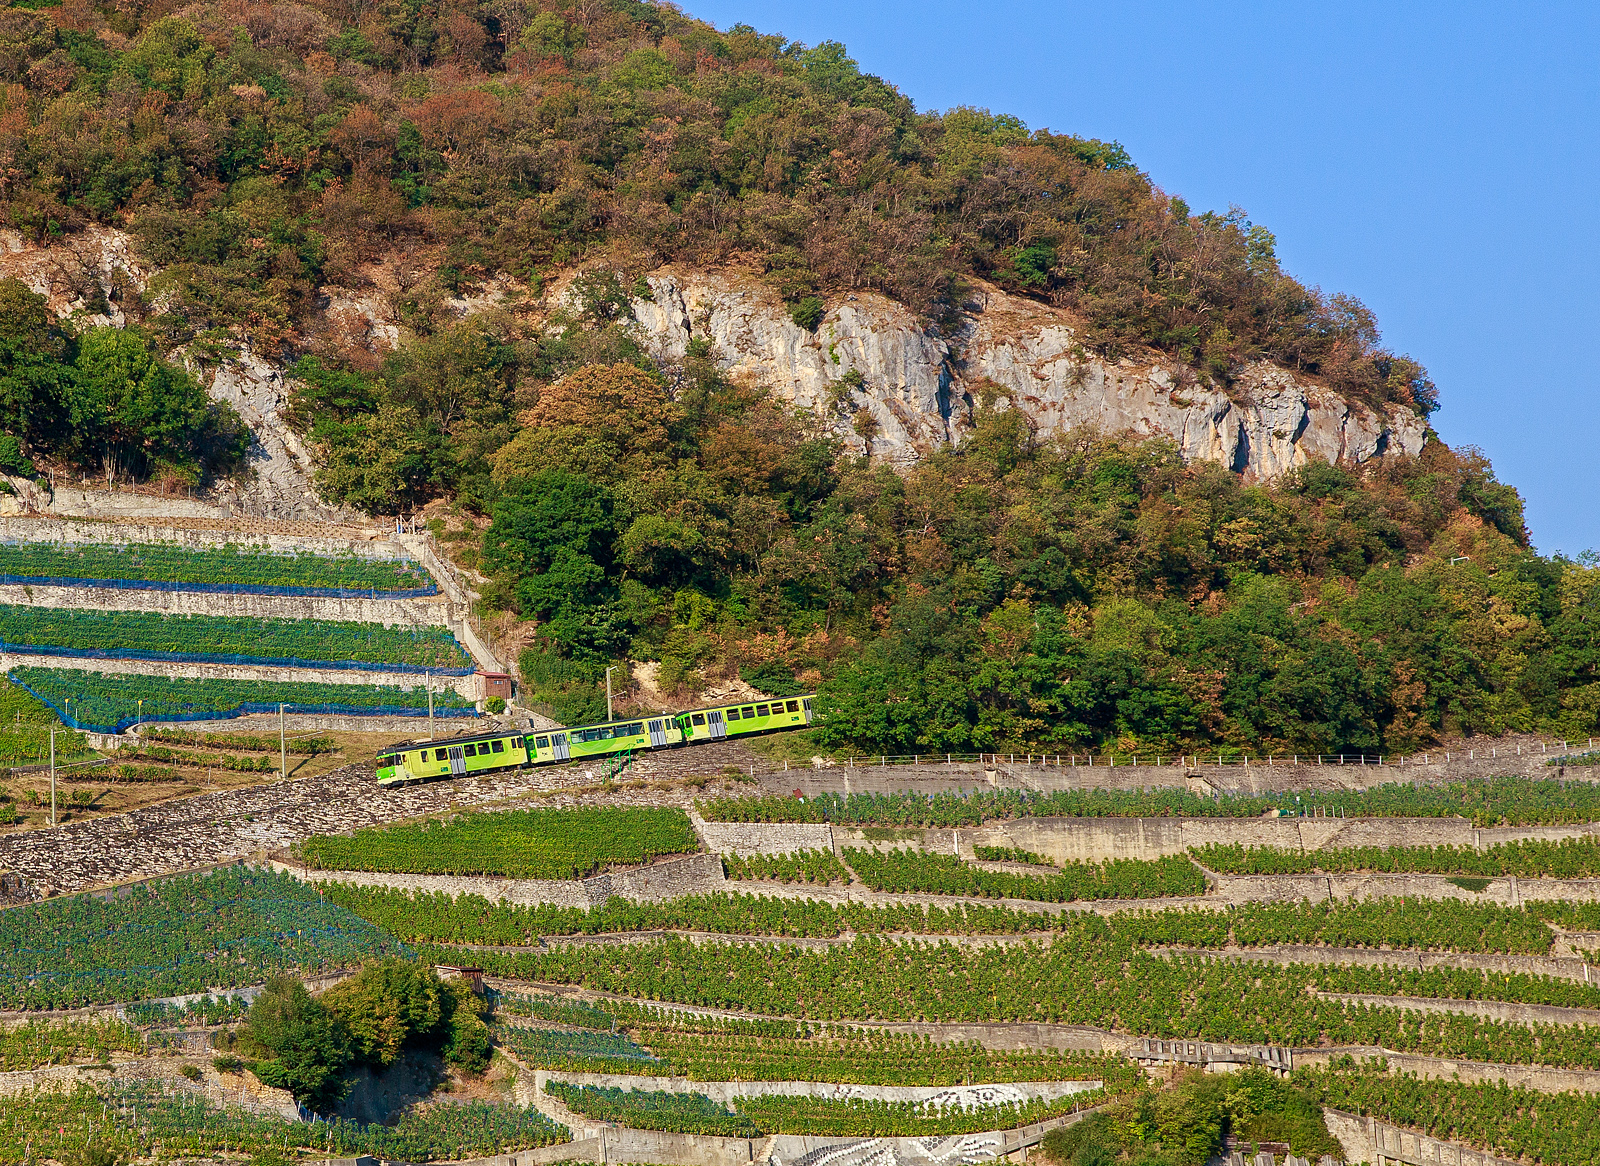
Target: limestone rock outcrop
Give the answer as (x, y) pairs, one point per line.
(884, 381)
(920, 389)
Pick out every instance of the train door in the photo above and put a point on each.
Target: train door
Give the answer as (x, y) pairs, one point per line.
(558, 746)
(717, 726)
(658, 734)
(458, 763)
(807, 704)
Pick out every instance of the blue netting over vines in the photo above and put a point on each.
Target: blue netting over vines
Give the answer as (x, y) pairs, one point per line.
(229, 658)
(221, 588)
(109, 704)
(228, 569)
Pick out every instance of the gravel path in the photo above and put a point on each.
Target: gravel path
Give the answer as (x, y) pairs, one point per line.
(229, 824)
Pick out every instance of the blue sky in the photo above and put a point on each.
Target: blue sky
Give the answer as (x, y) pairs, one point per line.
(1439, 161)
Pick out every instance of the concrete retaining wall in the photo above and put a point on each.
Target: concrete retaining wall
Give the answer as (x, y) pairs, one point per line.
(670, 879)
(1366, 1139)
(1539, 1077)
(1529, 1014)
(1284, 954)
(1506, 892)
(605, 1143)
(746, 839)
(727, 1092)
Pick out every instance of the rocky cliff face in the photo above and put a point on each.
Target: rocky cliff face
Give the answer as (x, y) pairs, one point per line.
(886, 383)
(920, 389)
(84, 277)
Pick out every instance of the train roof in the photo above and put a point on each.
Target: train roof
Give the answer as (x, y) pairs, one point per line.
(429, 743)
(733, 704)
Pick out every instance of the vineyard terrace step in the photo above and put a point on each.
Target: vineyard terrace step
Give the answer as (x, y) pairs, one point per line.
(1529, 1014)
(229, 824)
(1023, 1035)
(726, 1092)
(1556, 967)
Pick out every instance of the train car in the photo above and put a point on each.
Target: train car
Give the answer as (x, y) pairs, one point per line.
(658, 731)
(456, 756)
(744, 719)
(486, 752)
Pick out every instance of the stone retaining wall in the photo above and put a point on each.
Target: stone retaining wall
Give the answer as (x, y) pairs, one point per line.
(932, 775)
(425, 612)
(465, 686)
(43, 528)
(695, 874)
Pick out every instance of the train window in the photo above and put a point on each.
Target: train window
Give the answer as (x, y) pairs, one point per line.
(499, 746)
(748, 712)
(792, 705)
(634, 730)
(469, 751)
(733, 714)
(541, 742)
(699, 718)
(761, 710)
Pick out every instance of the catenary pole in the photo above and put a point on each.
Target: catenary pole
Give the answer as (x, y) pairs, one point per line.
(52, 775)
(283, 747)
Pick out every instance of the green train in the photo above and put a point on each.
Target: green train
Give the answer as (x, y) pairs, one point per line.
(414, 761)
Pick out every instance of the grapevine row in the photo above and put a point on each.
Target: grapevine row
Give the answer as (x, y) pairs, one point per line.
(528, 844)
(1494, 801)
(1428, 925)
(228, 565)
(1088, 978)
(122, 633)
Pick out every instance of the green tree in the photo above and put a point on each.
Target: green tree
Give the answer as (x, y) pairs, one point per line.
(305, 1047)
(35, 375)
(388, 1005)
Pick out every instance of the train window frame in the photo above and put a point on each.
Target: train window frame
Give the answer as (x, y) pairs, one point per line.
(732, 715)
(749, 712)
(761, 710)
(698, 719)
(541, 742)
(497, 746)
(792, 706)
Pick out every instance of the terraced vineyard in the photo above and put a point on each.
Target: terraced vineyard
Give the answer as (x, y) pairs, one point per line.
(526, 844)
(1418, 925)
(190, 934)
(25, 731)
(940, 874)
(152, 635)
(805, 968)
(106, 701)
(1495, 801)
(230, 566)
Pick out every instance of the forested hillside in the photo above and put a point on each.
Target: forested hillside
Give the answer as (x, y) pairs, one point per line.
(1016, 592)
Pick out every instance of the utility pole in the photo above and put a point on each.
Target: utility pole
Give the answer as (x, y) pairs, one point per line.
(283, 747)
(430, 714)
(52, 775)
(609, 671)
